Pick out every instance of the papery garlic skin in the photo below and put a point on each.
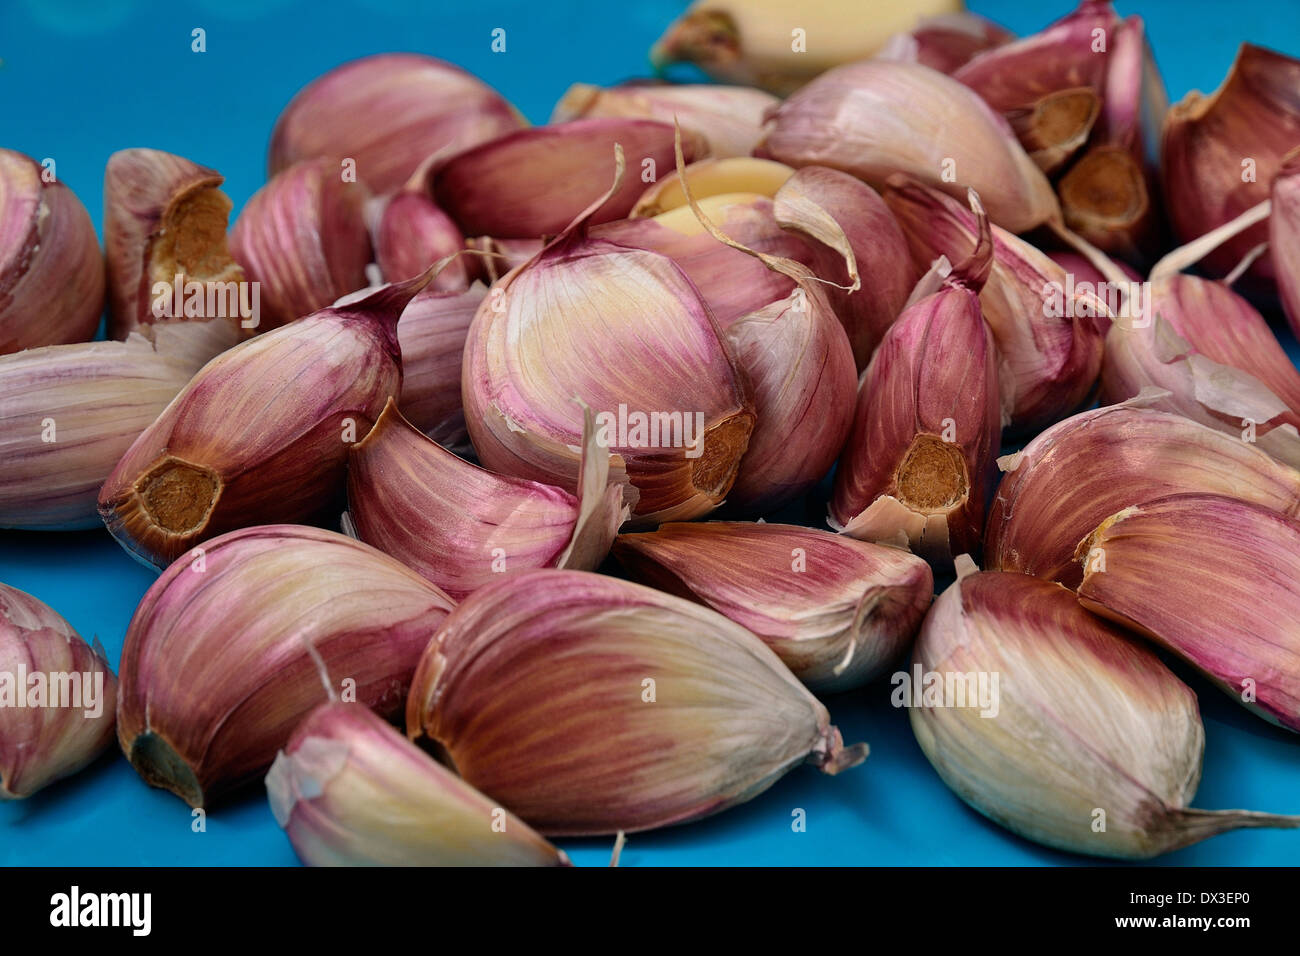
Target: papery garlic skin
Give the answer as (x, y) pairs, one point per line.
(754, 42)
(165, 229)
(261, 433)
(431, 333)
(459, 526)
(836, 611)
(411, 235)
(349, 790)
(1228, 609)
(597, 705)
(228, 649)
(532, 183)
(52, 727)
(947, 41)
(303, 239)
(388, 113)
(876, 118)
(1065, 482)
(1284, 236)
(67, 415)
(730, 118)
(51, 269)
(1092, 745)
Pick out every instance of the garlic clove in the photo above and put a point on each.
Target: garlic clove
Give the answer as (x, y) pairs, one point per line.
(51, 269)
(598, 705)
(411, 235)
(460, 526)
(1227, 611)
(712, 177)
(836, 611)
(302, 238)
(918, 464)
(1284, 236)
(946, 42)
(227, 652)
(261, 433)
(876, 118)
(729, 118)
(165, 246)
(499, 256)
(1055, 126)
(1075, 474)
(1080, 739)
(349, 790)
(533, 182)
(388, 113)
(431, 333)
(1048, 328)
(57, 697)
(67, 415)
(765, 42)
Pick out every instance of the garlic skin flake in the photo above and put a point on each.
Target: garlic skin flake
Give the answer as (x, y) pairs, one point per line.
(596, 705)
(349, 790)
(1095, 746)
(1284, 236)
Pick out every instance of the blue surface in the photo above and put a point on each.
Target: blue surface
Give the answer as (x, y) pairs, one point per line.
(82, 78)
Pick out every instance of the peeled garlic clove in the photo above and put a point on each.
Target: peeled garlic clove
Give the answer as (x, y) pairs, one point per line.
(261, 433)
(917, 466)
(349, 790)
(838, 612)
(856, 236)
(460, 526)
(1049, 330)
(712, 177)
(729, 118)
(67, 415)
(1077, 473)
(411, 235)
(165, 245)
(532, 183)
(228, 649)
(946, 42)
(1228, 609)
(57, 697)
(388, 113)
(767, 42)
(303, 239)
(1056, 725)
(628, 334)
(1220, 153)
(1284, 236)
(431, 334)
(663, 711)
(918, 122)
(51, 270)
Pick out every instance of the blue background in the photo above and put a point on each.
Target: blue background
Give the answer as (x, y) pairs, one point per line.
(80, 79)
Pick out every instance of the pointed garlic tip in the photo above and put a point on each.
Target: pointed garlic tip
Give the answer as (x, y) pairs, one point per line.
(533, 182)
(57, 697)
(728, 118)
(1228, 613)
(302, 239)
(712, 177)
(1079, 472)
(1057, 725)
(836, 611)
(431, 334)
(387, 114)
(68, 413)
(51, 269)
(165, 245)
(946, 42)
(411, 235)
(1043, 317)
(925, 125)
(1284, 235)
(856, 234)
(920, 458)
(300, 395)
(750, 42)
(460, 526)
(657, 689)
(1252, 118)
(210, 691)
(348, 790)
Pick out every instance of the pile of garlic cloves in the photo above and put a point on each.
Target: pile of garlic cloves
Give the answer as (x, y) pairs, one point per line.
(508, 483)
